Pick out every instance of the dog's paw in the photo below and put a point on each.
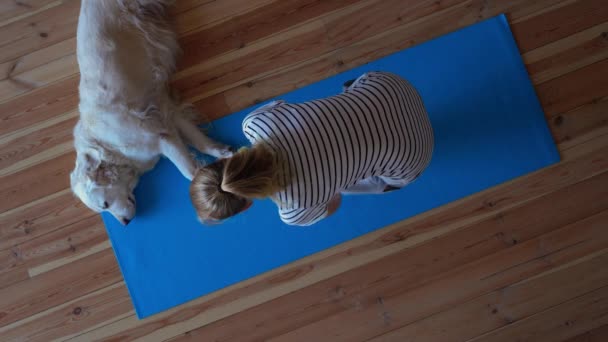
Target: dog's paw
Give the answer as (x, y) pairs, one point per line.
(224, 152)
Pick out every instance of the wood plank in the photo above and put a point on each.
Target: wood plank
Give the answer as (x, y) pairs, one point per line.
(40, 217)
(517, 10)
(212, 10)
(27, 81)
(35, 143)
(564, 321)
(407, 268)
(596, 335)
(432, 26)
(14, 276)
(211, 108)
(264, 88)
(56, 287)
(383, 16)
(344, 28)
(246, 28)
(211, 78)
(507, 305)
(39, 105)
(72, 318)
(581, 144)
(69, 258)
(371, 18)
(47, 154)
(62, 58)
(559, 23)
(38, 58)
(579, 121)
(568, 55)
(574, 89)
(353, 254)
(210, 13)
(187, 5)
(38, 31)
(14, 10)
(30, 184)
(392, 306)
(294, 46)
(71, 241)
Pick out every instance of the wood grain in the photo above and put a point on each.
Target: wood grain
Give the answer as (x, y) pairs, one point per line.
(521, 261)
(203, 13)
(45, 179)
(63, 284)
(26, 81)
(41, 217)
(564, 321)
(559, 23)
(581, 121)
(73, 317)
(70, 241)
(11, 11)
(29, 145)
(42, 104)
(343, 30)
(574, 89)
(242, 30)
(569, 54)
(596, 335)
(38, 31)
(506, 306)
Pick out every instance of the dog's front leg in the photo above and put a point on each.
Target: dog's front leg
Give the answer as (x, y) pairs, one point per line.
(174, 149)
(202, 142)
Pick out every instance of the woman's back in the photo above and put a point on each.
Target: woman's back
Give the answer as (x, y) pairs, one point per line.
(378, 127)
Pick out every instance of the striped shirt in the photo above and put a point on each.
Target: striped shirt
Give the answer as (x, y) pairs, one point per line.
(377, 127)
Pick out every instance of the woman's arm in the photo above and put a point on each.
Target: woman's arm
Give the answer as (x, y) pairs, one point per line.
(311, 215)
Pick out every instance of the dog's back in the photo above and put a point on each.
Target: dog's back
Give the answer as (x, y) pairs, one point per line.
(126, 54)
(132, 42)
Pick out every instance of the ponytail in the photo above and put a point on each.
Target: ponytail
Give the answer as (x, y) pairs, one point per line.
(251, 173)
(225, 188)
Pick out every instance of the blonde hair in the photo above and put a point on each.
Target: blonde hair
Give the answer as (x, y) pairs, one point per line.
(225, 188)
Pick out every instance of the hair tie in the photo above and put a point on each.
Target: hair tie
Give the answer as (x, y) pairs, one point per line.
(221, 190)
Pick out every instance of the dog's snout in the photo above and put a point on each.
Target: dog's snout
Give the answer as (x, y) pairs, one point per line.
(125, 221)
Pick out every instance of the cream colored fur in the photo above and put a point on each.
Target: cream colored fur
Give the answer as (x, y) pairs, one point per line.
(128, 118)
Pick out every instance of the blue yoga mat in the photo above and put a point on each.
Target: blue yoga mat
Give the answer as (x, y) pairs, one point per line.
(489, 128)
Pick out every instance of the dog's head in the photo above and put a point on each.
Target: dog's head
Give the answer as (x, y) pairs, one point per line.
(103, 186)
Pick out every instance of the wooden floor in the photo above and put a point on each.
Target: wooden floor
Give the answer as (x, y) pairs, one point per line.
(526, 261)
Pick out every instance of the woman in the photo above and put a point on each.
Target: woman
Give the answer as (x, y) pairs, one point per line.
(374, 137)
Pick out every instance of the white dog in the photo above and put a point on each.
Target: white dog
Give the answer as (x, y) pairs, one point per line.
(128, 119)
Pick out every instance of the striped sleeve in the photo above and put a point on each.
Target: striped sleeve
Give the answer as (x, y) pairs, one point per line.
(248, 125)
(304, 216)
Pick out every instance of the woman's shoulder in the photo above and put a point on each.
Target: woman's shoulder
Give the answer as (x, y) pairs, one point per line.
(264, 109)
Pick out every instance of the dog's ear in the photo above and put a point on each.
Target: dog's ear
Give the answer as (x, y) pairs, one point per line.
(90, 163)
(106, 174)
(99, 172)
